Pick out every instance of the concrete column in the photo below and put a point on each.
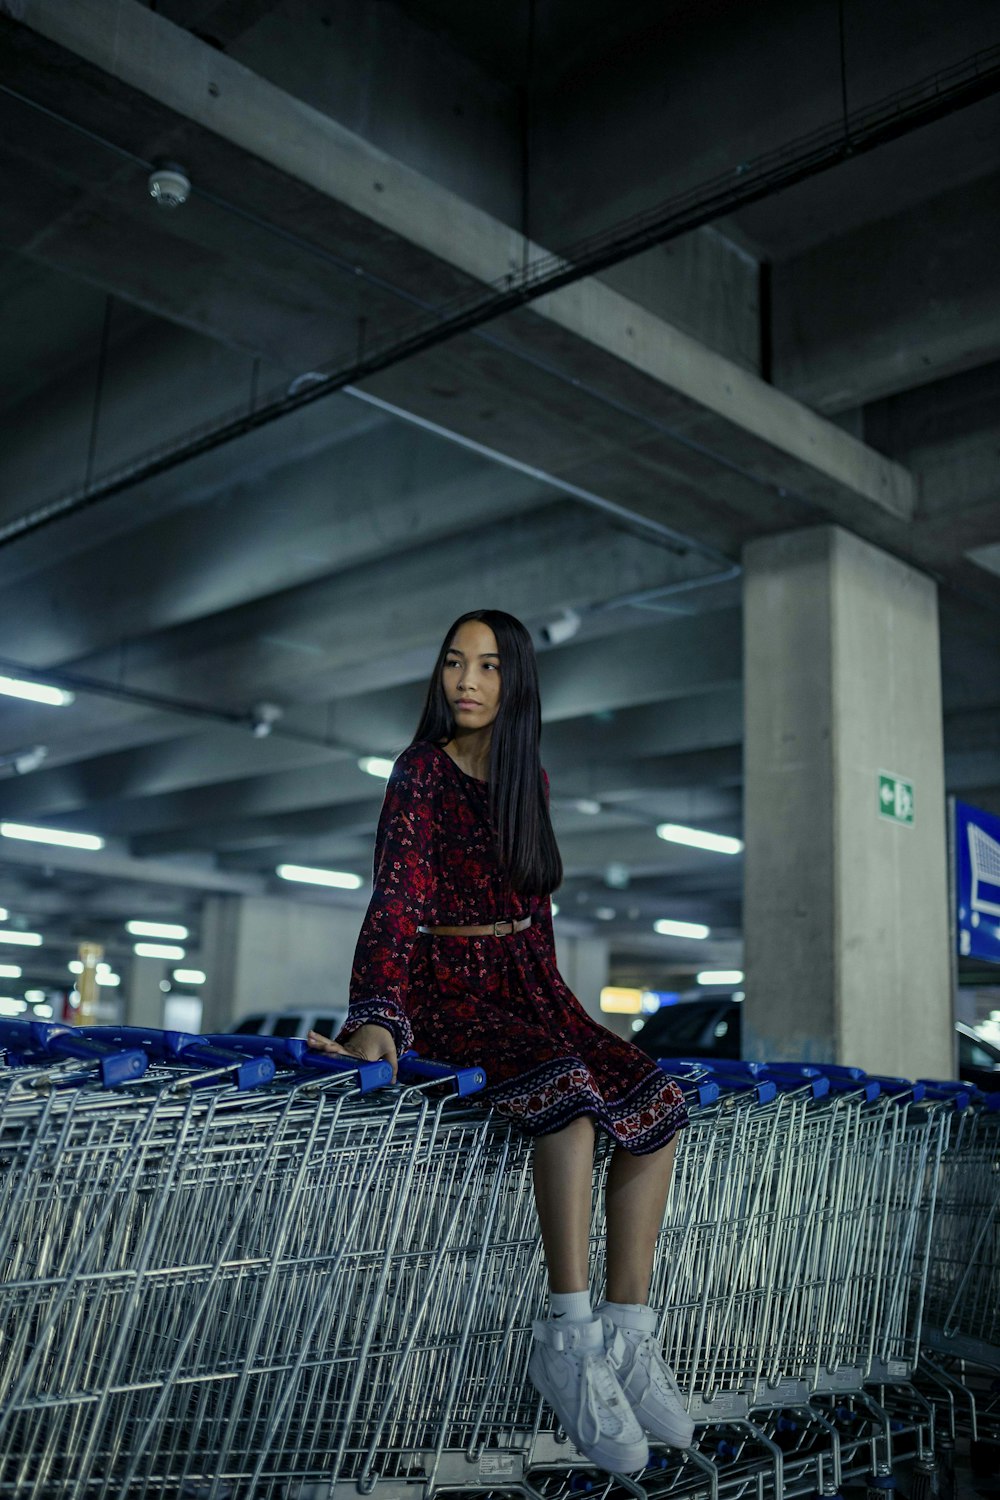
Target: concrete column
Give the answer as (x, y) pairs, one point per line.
(220, 922)
(845, 910)
(583, 963)
(145, 998)
(266, 953)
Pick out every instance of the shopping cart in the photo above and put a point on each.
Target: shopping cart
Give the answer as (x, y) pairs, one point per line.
(960, 1362)
(293, 1283)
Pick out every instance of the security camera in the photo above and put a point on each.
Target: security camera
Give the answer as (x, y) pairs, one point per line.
(169, 184)
(303, 381)
(30, 760)
(561, 629)
(263, 717)
(23, 761)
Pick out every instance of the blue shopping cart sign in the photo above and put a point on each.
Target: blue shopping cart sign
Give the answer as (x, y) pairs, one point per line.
(977, 882)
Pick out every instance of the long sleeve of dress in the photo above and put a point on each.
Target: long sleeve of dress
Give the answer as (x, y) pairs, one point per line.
(403, 882)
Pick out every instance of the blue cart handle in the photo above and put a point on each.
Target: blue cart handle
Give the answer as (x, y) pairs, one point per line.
(958, 1094)
(286, 1050)
(186, 1048)
(117, 1065)
(898, 1088)
(294, 1052)
(414, 1069)
(693, 1081)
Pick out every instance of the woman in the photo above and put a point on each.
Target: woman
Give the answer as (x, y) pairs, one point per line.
(456, 958)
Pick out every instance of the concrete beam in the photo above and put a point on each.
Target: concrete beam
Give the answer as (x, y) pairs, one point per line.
(283, 838)
(104, 865)
(556, 557)
(905, 301)
(703, 284)
(271, 528)
(720, 404)
(683, 657)
(217, 756)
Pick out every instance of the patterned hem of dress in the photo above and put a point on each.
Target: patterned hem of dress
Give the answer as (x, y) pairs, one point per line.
(380, 1013)
(551, 1096)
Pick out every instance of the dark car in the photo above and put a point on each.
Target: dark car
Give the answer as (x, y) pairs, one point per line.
(711, 1028)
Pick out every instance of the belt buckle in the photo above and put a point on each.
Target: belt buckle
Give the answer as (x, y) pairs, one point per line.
(503, 922)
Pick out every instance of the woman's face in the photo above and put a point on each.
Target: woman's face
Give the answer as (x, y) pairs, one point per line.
(471, 676)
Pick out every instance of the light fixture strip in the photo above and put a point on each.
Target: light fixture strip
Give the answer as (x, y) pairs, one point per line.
(23, 939)
(35, 692)
(139, 928)
(157, 950)
(60, 836)
(342, 879)
(668, 927)
(699, 838)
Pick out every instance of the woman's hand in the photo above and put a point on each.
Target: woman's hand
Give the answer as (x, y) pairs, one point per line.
(370, 1043)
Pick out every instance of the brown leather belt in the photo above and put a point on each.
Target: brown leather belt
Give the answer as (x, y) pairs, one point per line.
(505, 927)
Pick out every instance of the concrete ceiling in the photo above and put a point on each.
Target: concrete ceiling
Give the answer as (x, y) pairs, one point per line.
(183, 536)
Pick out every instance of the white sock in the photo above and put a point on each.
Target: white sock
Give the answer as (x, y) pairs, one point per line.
(573, 1306)
(626, 1307)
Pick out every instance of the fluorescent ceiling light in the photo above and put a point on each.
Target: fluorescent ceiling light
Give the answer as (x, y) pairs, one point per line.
(189, 976)
(587, 805)
(25, 939)
(667, 927)
(720, 976)
(10, 971)
(604, 913)
(51, 836)
(35, 997)
(719, 843)
(75, 966)
(157, 950)
(157, 930)
(45, 1011)
(377, 765)
(554, 908)
(4, 913)
(309, 876)
(9, 1006)
(37, 692)
(107, 979)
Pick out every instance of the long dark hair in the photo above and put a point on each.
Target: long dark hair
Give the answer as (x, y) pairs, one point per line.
(518, 805)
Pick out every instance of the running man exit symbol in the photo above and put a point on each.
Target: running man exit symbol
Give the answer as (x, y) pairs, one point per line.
(895, 798)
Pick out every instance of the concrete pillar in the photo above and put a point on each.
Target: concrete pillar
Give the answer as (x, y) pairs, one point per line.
(267, 953)
(583, 963)
(220, 921)
(845, 910)
(145, 998)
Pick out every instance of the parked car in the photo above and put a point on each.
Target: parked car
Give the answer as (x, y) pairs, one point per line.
(707, 1027)
(291, 1022)
(711, 1028)
(978, 1059)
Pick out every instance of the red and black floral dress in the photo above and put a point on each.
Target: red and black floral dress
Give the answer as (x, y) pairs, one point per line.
(499, 1003)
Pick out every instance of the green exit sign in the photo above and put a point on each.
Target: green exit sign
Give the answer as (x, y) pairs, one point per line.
(895, 798)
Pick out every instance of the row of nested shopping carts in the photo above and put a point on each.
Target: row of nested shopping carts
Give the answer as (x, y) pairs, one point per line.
(234, 1269)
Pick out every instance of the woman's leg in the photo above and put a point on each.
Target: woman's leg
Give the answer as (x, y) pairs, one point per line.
(564, 1184)
(569, 1363)
(634, 1200)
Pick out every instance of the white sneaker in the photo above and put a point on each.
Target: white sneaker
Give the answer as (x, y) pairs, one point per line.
(644, 1375)
(569, 1367)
